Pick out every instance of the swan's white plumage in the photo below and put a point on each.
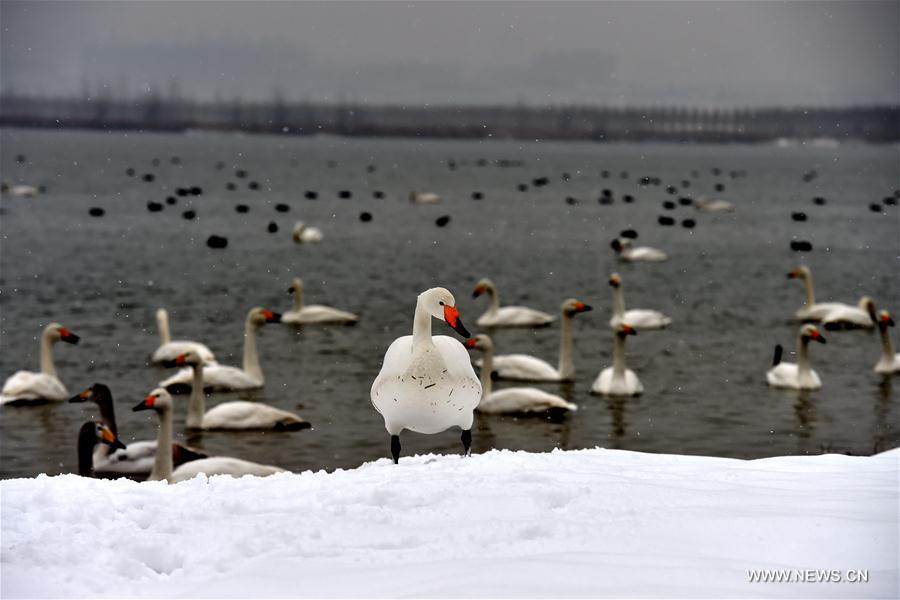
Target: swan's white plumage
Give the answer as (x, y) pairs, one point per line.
(787, 375)
(137, 459)
(849, 317)
(523, 400)
(317, 313)
(240, 414)
(222, 465)
(171, 350)
(711, 205)
(523, 367)
(29, 386)
(507, 316)
(608, 384)
(630, 253)
(216, 377)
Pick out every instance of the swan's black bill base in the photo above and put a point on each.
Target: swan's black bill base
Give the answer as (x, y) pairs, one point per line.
(395, 448)
(467, 442)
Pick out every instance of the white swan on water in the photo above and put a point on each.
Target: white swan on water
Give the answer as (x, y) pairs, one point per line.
(861, 316)
(169, 349)
(137, 459)
(515, 400)
(313, 313)
(639, 318)
(628, 252)
(812, 310)
(427, 384)
(523, 367)
(710, 205)
(222, 378)
(799, 376)
(27, 387)
(303, 234)
(160, 402)
(424, 197)
(507, 316)
(889, 362)
(618, 380)
(238, 414)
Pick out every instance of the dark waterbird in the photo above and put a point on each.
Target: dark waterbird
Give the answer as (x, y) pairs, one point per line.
(685, 201)
(272, 227)
(378, 194)
(148, 177)
(801, 246)
(665, 221)
(216, 241)
(253, 185)
(310, 195)
(668, 205)
(154, 206)
(189, 215)
(242, 208)
(96, 212)
(819, 201)
(629, 234)
(170, 200)
(688, 223)
(230, 186)
(365, 217)
(798, 216)
(282, 208)
(442, 221)
(345, 194)
(477, 195)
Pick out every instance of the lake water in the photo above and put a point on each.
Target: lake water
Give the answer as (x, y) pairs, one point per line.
(704, 377)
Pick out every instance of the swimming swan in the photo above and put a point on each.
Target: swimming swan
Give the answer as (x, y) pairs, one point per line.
(137, 459)
(629, 253)
(508, 316)
(91, 435)
(523, 367)
(314, 313)
(427, 384)
(25, 387)
(515, 400)
(618, 380)
(889, 362)
(160, 401)
(302, 234)
(796, 376)
(640, 318)
(813, 311)
(861, 316)
(222, 378)
(168, 349)
(238, 414)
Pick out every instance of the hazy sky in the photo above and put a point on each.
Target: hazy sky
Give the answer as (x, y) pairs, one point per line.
(622, 53)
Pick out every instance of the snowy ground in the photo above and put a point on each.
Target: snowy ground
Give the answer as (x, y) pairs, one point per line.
(505, 524)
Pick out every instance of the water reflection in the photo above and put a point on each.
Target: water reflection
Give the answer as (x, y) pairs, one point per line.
(805, 412)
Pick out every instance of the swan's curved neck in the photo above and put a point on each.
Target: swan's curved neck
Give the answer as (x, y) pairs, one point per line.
(808, 284)
(566, 347)
(803, 356)
(421, 327)
(298, 298)
(251, 358)
(162, 324)
(887, 346)
(162, 463)
(618, 301)
(108, 414)
(494, 305)
(196, 403)
(47, 366)
(487, 366)
(618, 355)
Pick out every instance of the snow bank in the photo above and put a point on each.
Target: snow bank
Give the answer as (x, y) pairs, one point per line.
(563, 524)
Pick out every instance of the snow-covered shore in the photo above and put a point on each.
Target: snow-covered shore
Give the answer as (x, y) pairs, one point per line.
(583, 523)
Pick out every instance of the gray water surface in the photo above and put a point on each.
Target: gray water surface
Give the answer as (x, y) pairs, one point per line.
(724, 285)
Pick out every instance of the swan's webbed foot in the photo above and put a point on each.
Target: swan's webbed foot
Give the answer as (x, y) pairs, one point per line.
(395, 448)
(467, 442)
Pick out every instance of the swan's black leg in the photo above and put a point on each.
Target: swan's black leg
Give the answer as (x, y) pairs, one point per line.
(467, 442)
(395, 448)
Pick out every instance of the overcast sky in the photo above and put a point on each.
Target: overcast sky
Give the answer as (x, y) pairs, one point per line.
(620, 53)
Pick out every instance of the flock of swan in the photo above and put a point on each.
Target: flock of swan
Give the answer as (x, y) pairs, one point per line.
(427, 383)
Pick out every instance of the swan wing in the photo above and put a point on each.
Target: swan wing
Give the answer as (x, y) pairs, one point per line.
(642, 319)
(27, 385)
(317, 313)
(171, 350)
(847, 316)
(240, 414)
(222, 465)
(783, 375)
(820, 310)
(515, 316)
(136, 459)
(523, 400)
(645, 253)
(609, 385)
(523, 367)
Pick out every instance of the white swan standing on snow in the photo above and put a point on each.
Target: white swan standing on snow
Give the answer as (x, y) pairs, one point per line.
(889, 362)
(24, 387)
(851, 317)
(222, 378)
(313, 313)
(798, 376)
(508, 316)
(302, 234)
(168, 349)
(813, 311)
(238, 414)
(137, 459)
(90, 436)
(160, 401)
(424, 197)
(618, 380)
(516, 400)
(639, 318)
(427, 384)
(630, 253)
(523, 367)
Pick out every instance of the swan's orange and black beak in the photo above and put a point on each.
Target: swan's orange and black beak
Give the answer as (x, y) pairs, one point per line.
(110, 439)
(614, 280)
(628, 329)
(479, 290)
(616, 245)
(67, 336)
(470, 343)
(815, 335)
(145, 404)
(793, 273)
(83, 396)
(272, 317)
(178, 361)
(886, 319)
(581, 307)
(451, 315)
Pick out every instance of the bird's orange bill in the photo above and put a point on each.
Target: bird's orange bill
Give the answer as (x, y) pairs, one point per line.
(451, 315)
(145, 404)
(110, 438)
(271, 317)
(479, 290)
(814, 334)
(82, 396)
(470, 343)
(628, 329)
(582, 307)
(67, 336)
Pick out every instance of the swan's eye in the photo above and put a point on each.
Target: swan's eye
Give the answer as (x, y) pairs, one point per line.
(441, 303)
